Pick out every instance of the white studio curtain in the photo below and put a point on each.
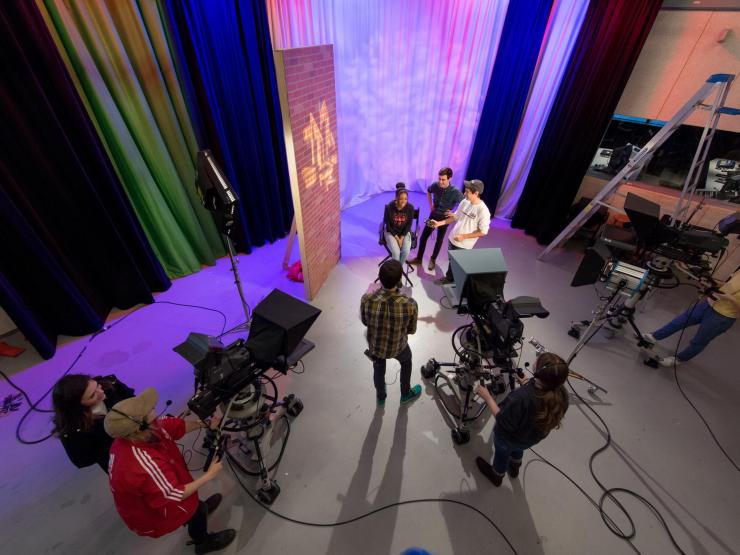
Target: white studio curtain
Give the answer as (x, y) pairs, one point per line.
(411, 77)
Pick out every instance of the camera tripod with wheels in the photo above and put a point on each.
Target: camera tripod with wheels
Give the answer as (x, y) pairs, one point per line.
(252, 414)
(464, 377)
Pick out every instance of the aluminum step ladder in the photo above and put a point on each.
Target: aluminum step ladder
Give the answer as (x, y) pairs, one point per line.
(719, 85)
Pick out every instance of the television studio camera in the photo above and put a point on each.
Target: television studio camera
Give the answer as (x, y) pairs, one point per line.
(485, 348)
(650, 253)
(235, 378)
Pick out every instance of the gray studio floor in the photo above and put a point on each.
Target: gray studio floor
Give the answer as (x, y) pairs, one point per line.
(345, 457)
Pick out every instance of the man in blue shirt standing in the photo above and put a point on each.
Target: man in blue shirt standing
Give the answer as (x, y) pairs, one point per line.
(442, 199)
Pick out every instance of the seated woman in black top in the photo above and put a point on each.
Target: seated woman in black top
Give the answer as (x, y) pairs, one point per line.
(526, 416)
(397, 223)
(80, 405)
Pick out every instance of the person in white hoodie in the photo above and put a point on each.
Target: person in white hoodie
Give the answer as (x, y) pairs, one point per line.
(472, 220)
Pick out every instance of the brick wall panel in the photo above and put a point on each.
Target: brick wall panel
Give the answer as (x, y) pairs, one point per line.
(307, 75)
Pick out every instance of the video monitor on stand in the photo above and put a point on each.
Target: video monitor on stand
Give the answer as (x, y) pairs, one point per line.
(479, 276)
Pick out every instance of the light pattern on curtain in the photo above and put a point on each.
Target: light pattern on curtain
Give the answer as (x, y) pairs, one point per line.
(410, 81)
(118, 56)
(563, 27)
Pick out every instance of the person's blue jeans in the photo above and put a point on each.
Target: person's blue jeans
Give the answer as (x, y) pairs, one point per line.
(404, 357)
(711, 324)
(506, 452)
(398, 253)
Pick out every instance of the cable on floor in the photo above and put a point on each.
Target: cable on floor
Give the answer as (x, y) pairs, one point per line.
(369, 513)
(685, 396)
(33, 406)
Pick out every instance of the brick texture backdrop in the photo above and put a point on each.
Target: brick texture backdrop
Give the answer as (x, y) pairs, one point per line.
(308, 103)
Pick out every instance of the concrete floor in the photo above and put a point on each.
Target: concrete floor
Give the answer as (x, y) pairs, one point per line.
(345, 457)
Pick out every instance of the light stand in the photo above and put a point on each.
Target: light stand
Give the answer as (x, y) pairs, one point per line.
(220, 198)
(237, 281)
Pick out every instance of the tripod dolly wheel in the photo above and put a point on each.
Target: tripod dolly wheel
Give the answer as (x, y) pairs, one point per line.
(460, 436)
(428, 370)
(268, 493)
(295, 407)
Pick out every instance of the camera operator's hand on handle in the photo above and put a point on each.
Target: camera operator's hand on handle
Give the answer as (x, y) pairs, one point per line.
(215, 422)
(215, 467)
(482, 390)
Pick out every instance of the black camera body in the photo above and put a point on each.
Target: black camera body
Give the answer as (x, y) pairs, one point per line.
(226, 371)
(499, 327)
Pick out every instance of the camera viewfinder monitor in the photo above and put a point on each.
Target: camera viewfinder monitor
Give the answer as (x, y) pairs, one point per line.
(479, 276)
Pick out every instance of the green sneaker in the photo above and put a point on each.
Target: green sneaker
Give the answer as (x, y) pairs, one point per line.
(381, 402)
(413, 394)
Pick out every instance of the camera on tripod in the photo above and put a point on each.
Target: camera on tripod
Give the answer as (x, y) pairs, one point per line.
(638, 258)
(235, 378)
(485, 349)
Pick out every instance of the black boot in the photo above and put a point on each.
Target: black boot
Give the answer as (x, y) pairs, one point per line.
(513, 469)
(487, 470)
(216, 541)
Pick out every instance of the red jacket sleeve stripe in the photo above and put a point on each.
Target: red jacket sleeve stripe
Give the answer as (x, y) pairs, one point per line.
(157, 476)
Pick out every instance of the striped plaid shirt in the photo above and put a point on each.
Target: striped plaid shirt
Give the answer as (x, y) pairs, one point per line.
(390, 317)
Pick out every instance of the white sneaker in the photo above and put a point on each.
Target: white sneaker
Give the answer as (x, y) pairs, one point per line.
(669, 362)
(650, 338)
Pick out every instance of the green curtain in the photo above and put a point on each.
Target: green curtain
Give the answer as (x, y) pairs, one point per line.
(118, 55)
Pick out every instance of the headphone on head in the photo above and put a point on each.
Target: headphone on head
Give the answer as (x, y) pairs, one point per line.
(143, 424)
(538, 373)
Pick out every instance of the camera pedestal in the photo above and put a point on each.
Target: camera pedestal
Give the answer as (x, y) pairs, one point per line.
(462, 381)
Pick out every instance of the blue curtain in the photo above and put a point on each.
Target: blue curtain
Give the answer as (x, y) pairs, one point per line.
(227, 70)
(565, 22)
(516, 59)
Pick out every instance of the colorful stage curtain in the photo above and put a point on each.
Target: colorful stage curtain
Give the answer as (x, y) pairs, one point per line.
(411, 78)
(72, 248)
(565, 22)
(610, 40)
(506, 98)
(226, 65)
(119, 58)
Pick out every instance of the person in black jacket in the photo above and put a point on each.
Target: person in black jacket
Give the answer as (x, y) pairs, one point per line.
(526, 416)
(397, 220)
(80, 405)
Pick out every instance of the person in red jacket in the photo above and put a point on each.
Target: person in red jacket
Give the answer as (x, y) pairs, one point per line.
(152, 488)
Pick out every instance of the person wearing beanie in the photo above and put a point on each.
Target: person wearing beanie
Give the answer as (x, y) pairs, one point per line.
(153, 490)
(472, 220)
(390, 316)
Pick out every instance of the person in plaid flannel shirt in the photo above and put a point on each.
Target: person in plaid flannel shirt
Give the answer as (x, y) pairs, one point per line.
(390, 316)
